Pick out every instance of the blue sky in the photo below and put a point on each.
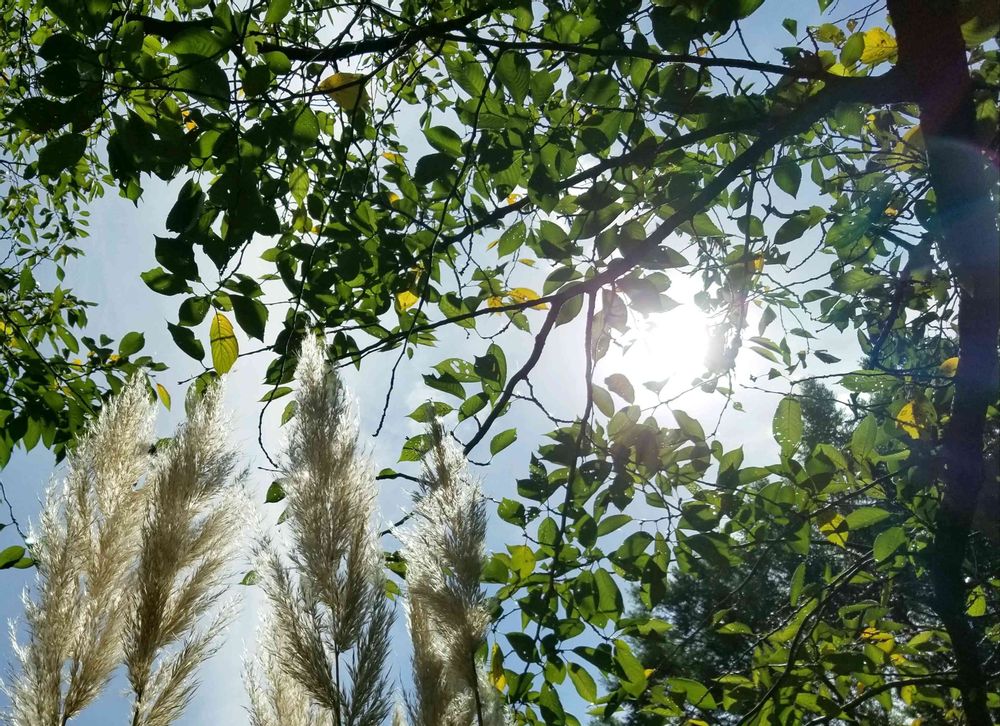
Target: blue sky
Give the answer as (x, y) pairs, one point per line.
(120, 247)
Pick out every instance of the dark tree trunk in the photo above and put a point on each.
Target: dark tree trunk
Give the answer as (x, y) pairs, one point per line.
(932, 56)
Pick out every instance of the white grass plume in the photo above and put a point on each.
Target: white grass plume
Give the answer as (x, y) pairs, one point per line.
(188, 538)
(276, 699)
(329, 604)
(89, 527)
(446, 605)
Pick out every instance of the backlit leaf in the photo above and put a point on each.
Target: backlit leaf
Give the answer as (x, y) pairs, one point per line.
(164, 395)
(406, 300)
(346, 89)
(223, 344)
(879, 47)
(949, 367)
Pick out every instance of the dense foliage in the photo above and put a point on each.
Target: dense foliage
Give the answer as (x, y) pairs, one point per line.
(511, 167)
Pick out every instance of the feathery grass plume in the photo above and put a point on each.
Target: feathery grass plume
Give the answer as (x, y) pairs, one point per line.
(276, 699)
(188, 540)
(83, 549)
(446, 605)
(329, 605)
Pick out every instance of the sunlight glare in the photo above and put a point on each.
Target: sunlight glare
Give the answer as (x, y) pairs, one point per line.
(668, 346)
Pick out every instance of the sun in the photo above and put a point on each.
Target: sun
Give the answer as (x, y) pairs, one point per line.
(667, 346)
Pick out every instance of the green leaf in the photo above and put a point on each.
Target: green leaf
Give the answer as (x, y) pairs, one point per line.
(864, 437)
(976, 605)
(305, 126)
(432, 167)
(621, 385)
(633, 674)
(856, 280)
(275, 492)
(792, 229)
(788, 176)
(445, 140)
(416, 446)
(185, 340)
(298, 183)
(196, 43)
(887, 543)
(522, 560)
(583, 682)
(204, 79)
(251, 315)
(278, 63)
(193, 310)
(277, 10)
(514, 72)
(787, 425)
(61, 153)
(163, 282)
(430, 410)
(502, 440)
(865, 517)
(250, 578)
(187, 208)
(11, 556)
(472, 405)
(131, 343)
(797, 583)
(852, 50)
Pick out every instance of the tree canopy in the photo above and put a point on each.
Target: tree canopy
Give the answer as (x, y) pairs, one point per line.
(505, 168)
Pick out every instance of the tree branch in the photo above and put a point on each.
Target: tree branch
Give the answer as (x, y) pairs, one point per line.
(939, 72)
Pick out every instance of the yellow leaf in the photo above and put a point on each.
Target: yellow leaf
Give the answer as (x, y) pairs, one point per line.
(914, 138)
(527, 261)
(834, 526)
(703, 50)
(906, 419)
(346, 89)
(114, 358)
(879, 47)
(494, 301)
(524, 294)
(949, 367)
(511, 198)
(497, 674)
(164, 395)
(393, 197)
(77, 362)
(392, 156)
(406, 300)
(910, 146)
(880, 639)
(648, 672)
(758, 263)
(891, 212)
(223, 343)
(190, 125)
(493, 244)
(907, 693)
